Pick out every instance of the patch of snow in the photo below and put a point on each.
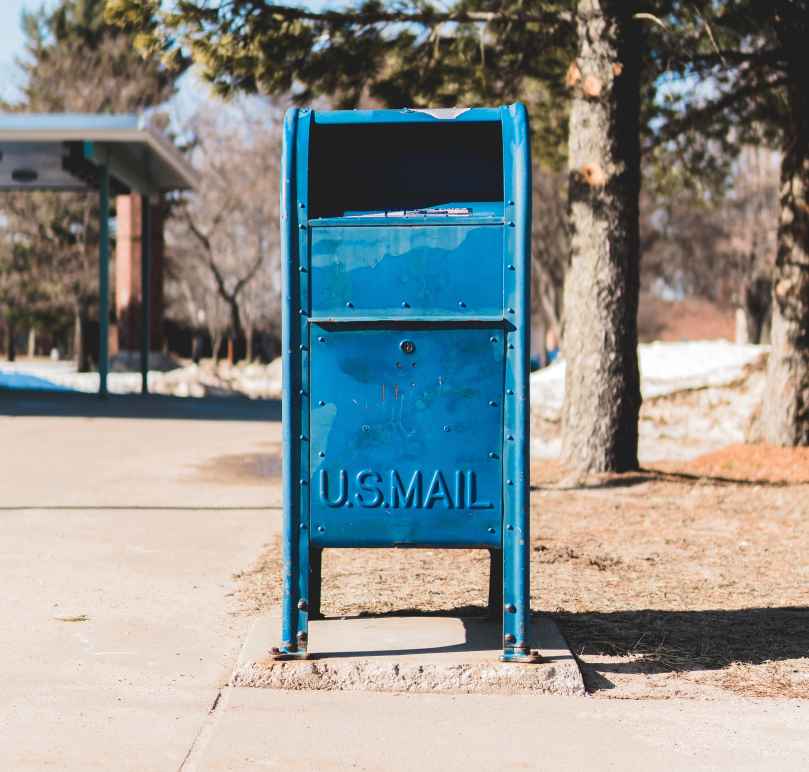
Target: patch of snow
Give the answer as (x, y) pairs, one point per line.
(665, 369)
(698, 397)
(256, 381)
(548, 390)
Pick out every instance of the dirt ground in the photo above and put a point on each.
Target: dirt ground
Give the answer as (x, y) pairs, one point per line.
(688, 579)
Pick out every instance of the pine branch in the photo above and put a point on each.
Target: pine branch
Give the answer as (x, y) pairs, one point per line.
(699, 117)
(426, 16)
(773, 57)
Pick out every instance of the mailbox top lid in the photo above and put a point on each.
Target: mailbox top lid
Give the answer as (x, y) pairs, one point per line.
(409, 115)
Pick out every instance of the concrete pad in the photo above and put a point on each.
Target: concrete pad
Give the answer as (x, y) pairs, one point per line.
(408, 654)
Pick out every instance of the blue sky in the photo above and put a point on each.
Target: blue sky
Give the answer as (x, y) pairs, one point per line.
(11, 47)
(11, 41)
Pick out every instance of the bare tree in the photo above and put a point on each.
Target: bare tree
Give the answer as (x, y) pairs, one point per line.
(715, 242)
(752, 228)
(58, 234)
(74, 62)
(228, 226)
(261, 303)
(549, 252)
(194, 298)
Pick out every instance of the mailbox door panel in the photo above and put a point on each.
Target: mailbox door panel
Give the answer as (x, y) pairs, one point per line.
(407, 271)
(406, 435)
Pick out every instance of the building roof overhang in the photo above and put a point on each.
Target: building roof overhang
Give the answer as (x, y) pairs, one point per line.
(63, 151)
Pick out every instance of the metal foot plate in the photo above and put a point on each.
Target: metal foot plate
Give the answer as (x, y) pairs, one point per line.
(527, 656)
(288, 653)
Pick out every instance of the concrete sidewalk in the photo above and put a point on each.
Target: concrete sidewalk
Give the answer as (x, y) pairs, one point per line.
(119, 536)
(268, 729)
(117, 551)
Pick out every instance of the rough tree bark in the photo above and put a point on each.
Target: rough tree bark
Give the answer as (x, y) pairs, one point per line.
(11, 342)
(757, 305)
(602, 383)
(80, 347)
(216, 345)
(785, 414)
(249, 338)
(236, 329)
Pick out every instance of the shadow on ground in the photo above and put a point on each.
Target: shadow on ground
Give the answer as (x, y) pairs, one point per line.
(152, 406)
(667, 641)
(479, 635)
(651, 641)
(678, 641)
(632, 479)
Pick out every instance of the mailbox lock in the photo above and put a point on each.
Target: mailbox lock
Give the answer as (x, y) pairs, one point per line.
(407, 346)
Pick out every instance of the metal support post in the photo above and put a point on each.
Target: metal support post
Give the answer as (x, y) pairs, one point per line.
(517, 537)
(295, 573)
(145, 291)
(103, 277)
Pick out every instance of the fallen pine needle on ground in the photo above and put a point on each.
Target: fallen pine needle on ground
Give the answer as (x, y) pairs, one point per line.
(688, 579)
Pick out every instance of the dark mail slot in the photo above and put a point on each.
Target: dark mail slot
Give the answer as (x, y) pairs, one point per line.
(399, 166)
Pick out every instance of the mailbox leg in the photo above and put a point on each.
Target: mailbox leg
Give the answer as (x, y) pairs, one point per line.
(516, 608)
(315, 563)
(516, 414)
(495, 583)
(295, 429)
(295, 602)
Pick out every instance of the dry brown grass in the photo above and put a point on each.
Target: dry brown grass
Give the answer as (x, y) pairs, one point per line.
(768, 464)
(690, 579)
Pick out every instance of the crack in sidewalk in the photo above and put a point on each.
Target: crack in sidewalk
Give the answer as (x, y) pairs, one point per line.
(203, 736)
(219, 705)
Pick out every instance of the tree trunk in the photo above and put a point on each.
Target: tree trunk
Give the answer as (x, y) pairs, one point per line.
(80, 340)
(249, 334)
(196, 347)
(216, 344)
(32, 342)
(11, 345)
(600, 337)
(236, 331)
(550, 304)
(785, 413)
(757, 306)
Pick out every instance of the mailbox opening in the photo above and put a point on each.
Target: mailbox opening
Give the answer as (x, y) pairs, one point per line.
(453, 169)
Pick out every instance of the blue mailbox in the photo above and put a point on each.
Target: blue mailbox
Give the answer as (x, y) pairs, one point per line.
(406, 278)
